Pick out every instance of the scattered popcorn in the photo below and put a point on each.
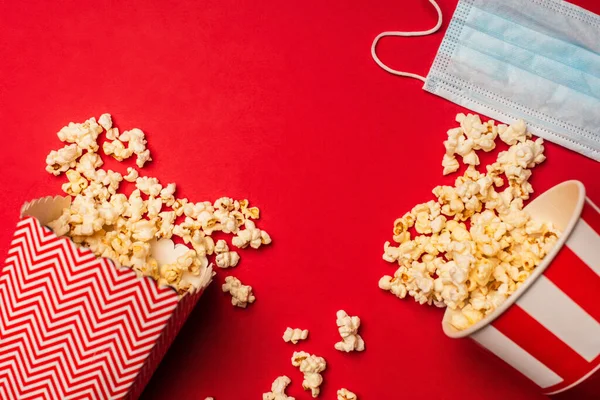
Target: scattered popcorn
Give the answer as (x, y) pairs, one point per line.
(122, 228)
(105, 121)
(348, 329)
(167, 194)
(251, 236)
(311, 366)
(228, 259)
(295, 335)
(278, 389)
(84, 135)
(241, 295)
(450, 164)
(148, 186)
(225, 258)
(63, 159)
(472, 135)
(345, 394)
(473, 268)
(117, 149)
(132, 175)
(143, 158)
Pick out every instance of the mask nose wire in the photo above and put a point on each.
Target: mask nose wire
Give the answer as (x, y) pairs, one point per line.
(403, 34)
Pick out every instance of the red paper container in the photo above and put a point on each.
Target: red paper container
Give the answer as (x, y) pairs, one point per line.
(72, 325)
(549, 329)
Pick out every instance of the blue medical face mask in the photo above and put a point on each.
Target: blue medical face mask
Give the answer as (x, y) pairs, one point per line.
(538, 60)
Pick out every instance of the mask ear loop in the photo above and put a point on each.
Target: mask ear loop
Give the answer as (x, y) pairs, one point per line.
(397, 33)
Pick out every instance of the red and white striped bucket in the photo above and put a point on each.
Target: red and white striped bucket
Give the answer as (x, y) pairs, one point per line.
(549, 329)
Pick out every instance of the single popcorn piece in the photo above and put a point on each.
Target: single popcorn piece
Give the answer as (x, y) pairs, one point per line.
(143, 158)
(345, 394)
(514, 133)
(149, 186)
(60, 161)
(132, 175)
(474, 245)
(450, 164)
(225, 258)
(251, 236)
(278, 389)
(348, 329)
(76, 184)
(241, 295)
(295, 335)
(167, 194)
(88, 164)
(105, 121)
(117, 149)
(311, 366)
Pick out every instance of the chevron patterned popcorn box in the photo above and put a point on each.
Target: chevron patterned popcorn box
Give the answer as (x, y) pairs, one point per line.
(549, 329)
(72, 325)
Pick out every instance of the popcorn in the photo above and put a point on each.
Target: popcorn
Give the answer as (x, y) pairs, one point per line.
(249, 212)
(295, 335)
(278, 389)
(473, 269)
(121, 228)
(311, 366)
(345, 394)
(450, 164)
(251, 236)
(136, 144)
(143, 158)
(227, 259)
(105, 121)
(88, 164)
(76, 183)
(84, 135)
(148, 186)
(397, 283)
(144, 230)
(348, 329)
(167, 194)
(514, 133)
(170, 274)
(63, 159)
(117, 149)
(241, 295)
(110, 179)
(165, 223)
(132, 175)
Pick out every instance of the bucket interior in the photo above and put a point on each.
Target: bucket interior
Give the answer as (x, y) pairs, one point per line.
(557, 205)
(560, 205)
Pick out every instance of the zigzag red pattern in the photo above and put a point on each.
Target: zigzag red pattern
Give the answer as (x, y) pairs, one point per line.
(72, 326)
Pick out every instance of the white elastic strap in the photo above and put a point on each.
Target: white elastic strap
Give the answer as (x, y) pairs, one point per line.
(396, 33)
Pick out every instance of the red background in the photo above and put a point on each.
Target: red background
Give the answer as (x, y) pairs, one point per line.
(279, 102)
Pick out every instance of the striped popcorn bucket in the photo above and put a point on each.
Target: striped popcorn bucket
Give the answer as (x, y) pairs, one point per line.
(72, 325)
(549, 329)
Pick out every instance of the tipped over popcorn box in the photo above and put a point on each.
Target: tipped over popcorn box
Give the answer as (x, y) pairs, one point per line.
(549, 329)
(73, 325)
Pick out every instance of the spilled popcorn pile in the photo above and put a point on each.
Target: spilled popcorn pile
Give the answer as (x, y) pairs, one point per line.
(474, 246)
(124, 228)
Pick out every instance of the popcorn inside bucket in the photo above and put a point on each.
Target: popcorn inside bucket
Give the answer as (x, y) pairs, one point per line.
(561, 206)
